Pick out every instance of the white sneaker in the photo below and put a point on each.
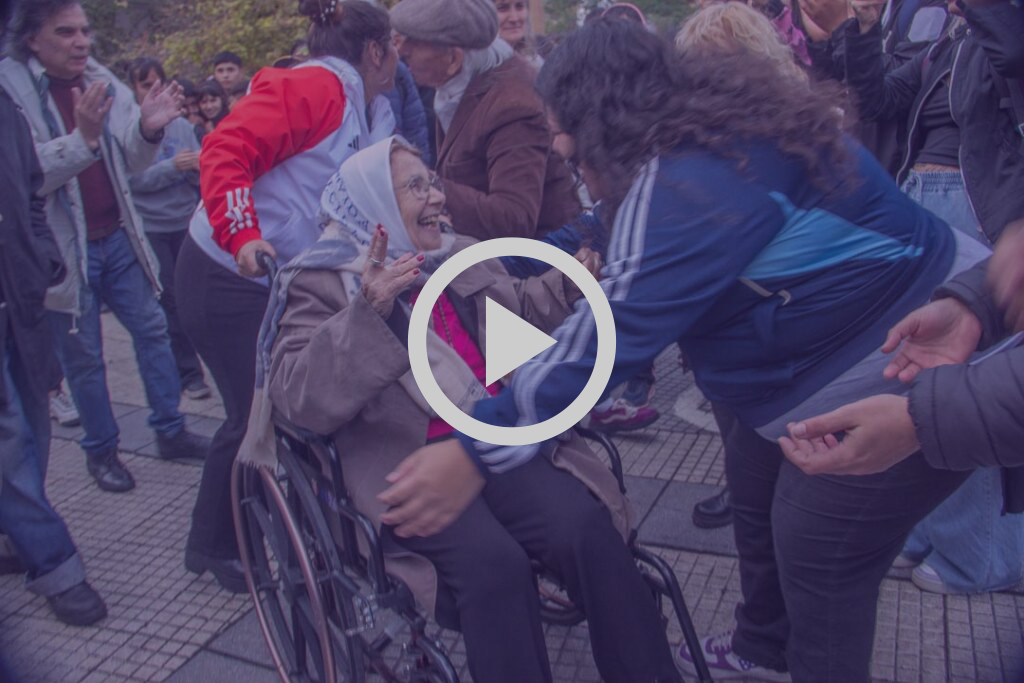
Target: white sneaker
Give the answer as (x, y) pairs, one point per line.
(905, 562)
(724, 664)
(928, 580)
(63, 410)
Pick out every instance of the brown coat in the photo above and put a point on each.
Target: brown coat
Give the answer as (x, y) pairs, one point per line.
(335, 368)
(500, 175)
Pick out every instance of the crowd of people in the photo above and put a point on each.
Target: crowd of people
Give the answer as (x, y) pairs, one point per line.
(803, 196)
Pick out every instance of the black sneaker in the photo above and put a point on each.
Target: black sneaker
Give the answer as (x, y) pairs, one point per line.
(713, 512)
(78, 606)
(228, 572)
(109, 472)
(184, 444)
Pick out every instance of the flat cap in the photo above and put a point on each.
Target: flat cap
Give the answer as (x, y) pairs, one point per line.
(469, 24)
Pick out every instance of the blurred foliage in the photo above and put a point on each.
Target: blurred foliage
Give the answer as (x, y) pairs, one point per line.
(259, 31)
(187, 33)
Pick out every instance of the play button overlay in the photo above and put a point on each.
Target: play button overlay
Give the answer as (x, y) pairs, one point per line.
(512, 342)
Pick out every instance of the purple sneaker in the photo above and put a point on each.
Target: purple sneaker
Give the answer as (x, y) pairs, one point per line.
(724, 665)
(622, 416)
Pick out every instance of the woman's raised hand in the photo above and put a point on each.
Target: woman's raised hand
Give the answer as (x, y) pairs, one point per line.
(383, 282)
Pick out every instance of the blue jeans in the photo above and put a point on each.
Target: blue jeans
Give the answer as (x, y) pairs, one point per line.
(966, 539)
(37, 532)
(943, 193)
(968, 542)
(117, 279)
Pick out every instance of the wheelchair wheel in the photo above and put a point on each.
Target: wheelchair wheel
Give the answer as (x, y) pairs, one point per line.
(282, 575)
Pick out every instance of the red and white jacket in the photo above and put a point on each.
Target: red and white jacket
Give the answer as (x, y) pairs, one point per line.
(263, 169)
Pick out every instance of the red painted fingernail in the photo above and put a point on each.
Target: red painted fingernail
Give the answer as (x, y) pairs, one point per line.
(421, 257)
(416, 272)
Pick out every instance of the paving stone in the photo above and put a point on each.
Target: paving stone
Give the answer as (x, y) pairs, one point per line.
(167, 624)
(670, 524)
(643, 492)
(210, 666)
(136, 433)
(244, 640)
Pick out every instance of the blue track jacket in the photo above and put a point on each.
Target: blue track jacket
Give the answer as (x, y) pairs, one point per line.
(773, 287)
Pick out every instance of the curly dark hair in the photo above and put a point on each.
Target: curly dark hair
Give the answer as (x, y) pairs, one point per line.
(626, 96)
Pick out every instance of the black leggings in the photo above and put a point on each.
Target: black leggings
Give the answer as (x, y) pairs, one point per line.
(483, 559)
(221, 313)
(167, 246)
(813, 552)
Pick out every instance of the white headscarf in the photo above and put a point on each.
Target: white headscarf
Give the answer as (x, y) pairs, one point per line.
(361, 196)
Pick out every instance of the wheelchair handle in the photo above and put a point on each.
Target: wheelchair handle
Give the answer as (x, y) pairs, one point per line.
(265, 261)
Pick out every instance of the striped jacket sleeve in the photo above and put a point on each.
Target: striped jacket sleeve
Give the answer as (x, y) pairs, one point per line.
(667, 265)
(285, 113)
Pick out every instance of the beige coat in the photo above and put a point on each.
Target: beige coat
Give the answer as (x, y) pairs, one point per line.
(335, 368)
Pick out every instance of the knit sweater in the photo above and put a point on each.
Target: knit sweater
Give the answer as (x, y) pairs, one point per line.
(164, 196)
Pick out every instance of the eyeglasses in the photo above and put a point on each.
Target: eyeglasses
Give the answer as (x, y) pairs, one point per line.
(577, 175)
(420, 186)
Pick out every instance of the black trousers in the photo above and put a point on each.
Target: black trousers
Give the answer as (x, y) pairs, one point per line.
(221, 313)
(166, 246)
(483, 559)
(813, 552)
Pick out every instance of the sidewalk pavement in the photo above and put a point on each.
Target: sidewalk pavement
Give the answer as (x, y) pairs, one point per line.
(168, 625)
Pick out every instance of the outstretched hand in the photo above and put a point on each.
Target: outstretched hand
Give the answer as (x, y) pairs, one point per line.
(162, 104)
(877, 433)
(944, 332)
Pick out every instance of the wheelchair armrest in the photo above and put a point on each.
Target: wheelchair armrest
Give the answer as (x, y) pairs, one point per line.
(614, 459)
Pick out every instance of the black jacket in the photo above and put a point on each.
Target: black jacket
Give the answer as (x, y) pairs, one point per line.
(979, 58)
(29, 260)
(885, 137)
(970, 416)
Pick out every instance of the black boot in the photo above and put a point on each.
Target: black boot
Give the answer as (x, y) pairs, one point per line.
(109, 472)
(228, 572)
(184, 444)
(713, 512)
(78, 606)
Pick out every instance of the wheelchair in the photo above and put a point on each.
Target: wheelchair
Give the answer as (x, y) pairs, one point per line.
(328, 608)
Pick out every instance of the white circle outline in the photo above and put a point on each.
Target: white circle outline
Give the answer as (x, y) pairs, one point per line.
(603, 363)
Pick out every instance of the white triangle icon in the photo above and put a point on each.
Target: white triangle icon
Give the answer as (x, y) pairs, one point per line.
(511, 341)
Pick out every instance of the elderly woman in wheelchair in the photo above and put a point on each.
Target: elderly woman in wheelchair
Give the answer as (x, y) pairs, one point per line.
(335, 363)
